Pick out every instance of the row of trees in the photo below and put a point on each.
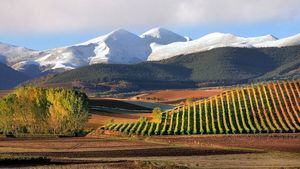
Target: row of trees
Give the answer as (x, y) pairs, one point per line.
(43, 111)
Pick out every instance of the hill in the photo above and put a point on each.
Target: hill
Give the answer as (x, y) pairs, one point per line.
(219, 66)
(262, 108)
(241, 64)
(9, 77)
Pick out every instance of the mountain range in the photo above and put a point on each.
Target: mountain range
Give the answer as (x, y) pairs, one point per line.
(215, 67)
(123, 47)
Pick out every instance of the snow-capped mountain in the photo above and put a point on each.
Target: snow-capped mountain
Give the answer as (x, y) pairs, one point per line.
(289, 41)
(121, 46)
(10, 54)
(162, 36)
(216, 40)
(207, 42)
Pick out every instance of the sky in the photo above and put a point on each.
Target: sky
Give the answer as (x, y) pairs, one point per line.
(45, 24)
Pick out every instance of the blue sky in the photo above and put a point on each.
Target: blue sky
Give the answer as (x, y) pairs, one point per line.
(48, 24)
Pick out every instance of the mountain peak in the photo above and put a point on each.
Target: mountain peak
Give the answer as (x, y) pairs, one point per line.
(113, 34)
(270, 36)
(156, 32)
(215, 35)
(162, 36)
(119, 31)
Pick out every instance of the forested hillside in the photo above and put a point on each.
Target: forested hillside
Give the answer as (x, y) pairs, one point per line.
(217, 66)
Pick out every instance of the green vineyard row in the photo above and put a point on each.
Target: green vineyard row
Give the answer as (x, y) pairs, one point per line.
(261, 108)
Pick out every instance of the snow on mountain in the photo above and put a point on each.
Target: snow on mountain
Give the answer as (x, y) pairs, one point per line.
(207, 42)
(119, 46)
(289, 41)
(162, 36)
(10, 54)
(188, 38)
(29, 68)
(66, 57)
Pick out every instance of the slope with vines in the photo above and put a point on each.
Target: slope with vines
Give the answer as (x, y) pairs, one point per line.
(271, 107)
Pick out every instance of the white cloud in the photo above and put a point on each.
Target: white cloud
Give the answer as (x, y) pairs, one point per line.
(76, 15)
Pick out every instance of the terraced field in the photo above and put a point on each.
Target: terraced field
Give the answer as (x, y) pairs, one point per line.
(272, 107)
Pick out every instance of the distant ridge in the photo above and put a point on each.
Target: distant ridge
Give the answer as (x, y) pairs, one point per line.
(123, 47)
(10, 78)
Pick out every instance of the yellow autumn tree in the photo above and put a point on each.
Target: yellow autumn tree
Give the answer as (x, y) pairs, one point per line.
(36, 110)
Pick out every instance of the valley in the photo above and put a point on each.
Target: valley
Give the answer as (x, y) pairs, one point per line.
(156, 100)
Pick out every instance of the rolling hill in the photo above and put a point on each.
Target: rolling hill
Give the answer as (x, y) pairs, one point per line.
(219, 66)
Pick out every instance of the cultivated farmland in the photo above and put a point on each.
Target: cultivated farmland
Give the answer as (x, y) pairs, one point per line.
(272, 107)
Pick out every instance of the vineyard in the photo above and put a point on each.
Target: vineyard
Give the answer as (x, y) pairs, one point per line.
(272, 107)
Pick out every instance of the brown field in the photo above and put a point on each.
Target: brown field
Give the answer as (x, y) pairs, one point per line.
(223, 151)
(175, 95)
(274, 142)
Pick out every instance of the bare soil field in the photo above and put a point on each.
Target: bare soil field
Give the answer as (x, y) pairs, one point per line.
(175, 95)
(266, 142)
(225, 151)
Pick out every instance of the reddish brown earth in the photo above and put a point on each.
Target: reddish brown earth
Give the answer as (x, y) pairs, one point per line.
(173, 95)
(222, 151)
(101, 147)
(69, 144)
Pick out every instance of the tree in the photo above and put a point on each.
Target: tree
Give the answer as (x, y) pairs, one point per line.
(156, 113)
(68, 110)
(36, 110)
(6, 116)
